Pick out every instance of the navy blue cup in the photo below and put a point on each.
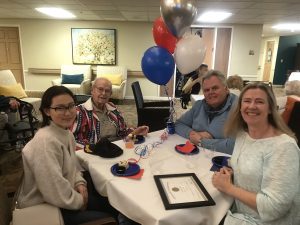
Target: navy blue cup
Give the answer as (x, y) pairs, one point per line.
(171, 127)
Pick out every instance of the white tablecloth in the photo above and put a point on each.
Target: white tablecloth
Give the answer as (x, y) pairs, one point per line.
(140, 199)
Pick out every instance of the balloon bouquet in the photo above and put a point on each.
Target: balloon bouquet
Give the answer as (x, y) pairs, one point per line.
(169, 32)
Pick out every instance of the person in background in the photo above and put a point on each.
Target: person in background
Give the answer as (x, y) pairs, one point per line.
(235, 84)
(265, 177)
(8, 103)
(8, 107)
(292, 88)
(203, 123)
(49, 161)
(97, 118)
(193, 84)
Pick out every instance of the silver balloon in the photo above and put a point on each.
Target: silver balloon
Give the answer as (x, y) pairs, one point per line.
(178, 15)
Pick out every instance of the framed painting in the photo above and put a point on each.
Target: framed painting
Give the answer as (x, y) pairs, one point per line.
(93, 46)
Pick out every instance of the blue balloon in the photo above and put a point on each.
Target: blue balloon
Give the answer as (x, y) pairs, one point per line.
(158, 65)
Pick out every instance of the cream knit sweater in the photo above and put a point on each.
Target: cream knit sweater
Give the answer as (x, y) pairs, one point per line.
(50, 173)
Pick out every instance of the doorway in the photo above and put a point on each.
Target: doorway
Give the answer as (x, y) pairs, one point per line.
(217, 42)
(10, 52)
(268, 60)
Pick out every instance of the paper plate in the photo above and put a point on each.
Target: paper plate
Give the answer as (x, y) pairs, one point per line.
(132, 170)
(220, 161)
(139, 139)
(194, 152)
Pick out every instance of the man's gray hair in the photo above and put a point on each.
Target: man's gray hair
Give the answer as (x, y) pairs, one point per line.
(217, 74)
(292, 87)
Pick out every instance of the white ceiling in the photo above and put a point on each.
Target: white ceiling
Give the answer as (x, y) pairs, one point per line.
(267, 12)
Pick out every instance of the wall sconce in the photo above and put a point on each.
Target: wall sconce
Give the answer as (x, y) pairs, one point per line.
(251, 52)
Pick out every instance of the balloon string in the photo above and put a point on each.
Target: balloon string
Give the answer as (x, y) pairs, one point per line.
(172, 103)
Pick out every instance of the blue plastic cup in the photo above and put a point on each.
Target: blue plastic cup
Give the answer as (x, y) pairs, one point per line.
(171, 127)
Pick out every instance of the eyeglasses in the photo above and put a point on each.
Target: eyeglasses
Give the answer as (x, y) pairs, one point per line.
(63, 109)
(101, 90)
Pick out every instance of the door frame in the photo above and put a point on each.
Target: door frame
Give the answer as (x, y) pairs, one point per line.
(21, 48)
(215, 38)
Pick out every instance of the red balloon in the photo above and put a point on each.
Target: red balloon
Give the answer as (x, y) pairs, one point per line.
(162, 36)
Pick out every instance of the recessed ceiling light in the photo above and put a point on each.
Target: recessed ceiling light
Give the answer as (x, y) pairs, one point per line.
(56, 12)
(213, 16)
(287, 26)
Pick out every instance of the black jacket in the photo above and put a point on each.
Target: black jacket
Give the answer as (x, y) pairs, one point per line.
(4, 103)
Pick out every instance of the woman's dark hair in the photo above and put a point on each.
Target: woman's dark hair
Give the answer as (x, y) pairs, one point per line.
(48, 95)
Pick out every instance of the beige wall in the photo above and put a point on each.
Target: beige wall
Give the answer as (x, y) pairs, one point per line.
(47, 44)
(244, 39)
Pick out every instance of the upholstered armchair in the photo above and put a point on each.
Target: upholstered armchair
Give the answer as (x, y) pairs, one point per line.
(10, 87)
(118, 76)
(75, 77)
(153, 114)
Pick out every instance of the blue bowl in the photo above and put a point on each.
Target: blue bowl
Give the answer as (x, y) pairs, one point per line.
(220, 161)
(139, 139)
(132, 170)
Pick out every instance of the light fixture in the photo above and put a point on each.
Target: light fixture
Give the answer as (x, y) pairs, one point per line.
(287, 26)
(56, 12)
(213, 16)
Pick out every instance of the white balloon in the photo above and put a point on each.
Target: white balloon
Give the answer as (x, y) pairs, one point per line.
(189, 53)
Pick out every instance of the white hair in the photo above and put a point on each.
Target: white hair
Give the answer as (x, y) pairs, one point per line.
(292, 87)
(101, 78)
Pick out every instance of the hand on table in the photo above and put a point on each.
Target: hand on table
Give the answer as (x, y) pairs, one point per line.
(195, 137)
(222, 180)
(142, 130)
(205, 135)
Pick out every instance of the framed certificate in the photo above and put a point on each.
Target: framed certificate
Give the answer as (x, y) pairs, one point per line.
(182, 191)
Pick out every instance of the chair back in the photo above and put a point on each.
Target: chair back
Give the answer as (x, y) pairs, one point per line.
(294, 121)
(111, 70)
(79, 99)
(138, 95)
(294, 76)
(77, 69)
(7, 78)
